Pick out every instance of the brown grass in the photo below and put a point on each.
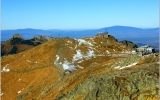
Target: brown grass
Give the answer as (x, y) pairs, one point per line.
(35, 67)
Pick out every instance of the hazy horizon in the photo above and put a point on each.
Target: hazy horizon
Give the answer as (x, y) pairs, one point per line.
(84, 28)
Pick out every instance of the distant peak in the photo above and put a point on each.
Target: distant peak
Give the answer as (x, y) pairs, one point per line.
(17, 36)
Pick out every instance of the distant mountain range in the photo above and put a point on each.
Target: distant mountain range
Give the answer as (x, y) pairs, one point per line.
(136, 35)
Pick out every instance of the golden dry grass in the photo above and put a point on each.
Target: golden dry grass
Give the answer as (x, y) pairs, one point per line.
(34, 69)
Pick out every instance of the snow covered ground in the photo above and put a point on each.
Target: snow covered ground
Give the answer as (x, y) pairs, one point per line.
(119, 67)
(5, 69)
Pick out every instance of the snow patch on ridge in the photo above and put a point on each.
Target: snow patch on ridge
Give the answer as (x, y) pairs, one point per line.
(70, 66)
(128, 65)
(119, 67)
(20, 91)
(67, 66)
(81, 41)
(5, 69)
(107, 51)
(1, 94)
(90, 53)
(80, 56)
(77, 56)
(57, 58)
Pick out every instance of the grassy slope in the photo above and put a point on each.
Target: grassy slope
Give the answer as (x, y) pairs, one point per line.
(34, 73)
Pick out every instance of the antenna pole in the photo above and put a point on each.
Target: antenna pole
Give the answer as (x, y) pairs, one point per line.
(105, 29)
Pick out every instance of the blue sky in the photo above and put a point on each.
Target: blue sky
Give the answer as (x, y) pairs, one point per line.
(78, 14)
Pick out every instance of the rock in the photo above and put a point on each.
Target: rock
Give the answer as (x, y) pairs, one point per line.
(102, 35)
(128, 44)
(41, 39)
(17, 36)
(16, 39)
(17, 44)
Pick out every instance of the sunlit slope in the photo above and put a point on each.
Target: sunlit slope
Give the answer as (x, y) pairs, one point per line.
(56, 67)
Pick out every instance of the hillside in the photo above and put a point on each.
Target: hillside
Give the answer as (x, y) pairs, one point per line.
(96, 67)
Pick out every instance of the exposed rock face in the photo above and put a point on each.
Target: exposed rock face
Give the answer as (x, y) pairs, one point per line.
(41, 39)
(129, 44)
(16, 39)
(17, 36)
(102, 35)
(17, 44)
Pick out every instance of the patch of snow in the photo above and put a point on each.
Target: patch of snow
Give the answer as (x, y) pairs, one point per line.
(125, 51)
(20, 91)
(67, 66)
(133, 51)
(5, 69)
(81, 41)
(28, 60)
(1, 94)
(69, 42)
(77, 56)
(107, 51)
(75, 47)
(79, 66)
(128, 65)
(80, 61)
(90, 53)
(119, 67)
(57, 58)
(90, 43)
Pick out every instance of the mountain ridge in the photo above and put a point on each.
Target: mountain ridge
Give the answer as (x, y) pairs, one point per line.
(62, 69)
(121, 32)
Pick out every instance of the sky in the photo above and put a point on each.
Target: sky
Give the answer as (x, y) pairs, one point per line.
(78, 14)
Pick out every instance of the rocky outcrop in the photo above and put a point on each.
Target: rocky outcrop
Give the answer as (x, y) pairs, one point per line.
(102, 35)
(17, 36)
(128, 44)
(16, 39)
(17, 44)
(41, 39)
